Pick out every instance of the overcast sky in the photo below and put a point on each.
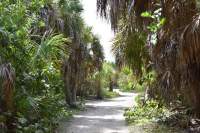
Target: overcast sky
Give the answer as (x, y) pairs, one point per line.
(100, 27)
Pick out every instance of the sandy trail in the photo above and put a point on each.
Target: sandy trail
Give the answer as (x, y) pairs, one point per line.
(101, 116)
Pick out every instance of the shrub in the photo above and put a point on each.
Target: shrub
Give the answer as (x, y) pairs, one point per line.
(109, 94)
(145, 112)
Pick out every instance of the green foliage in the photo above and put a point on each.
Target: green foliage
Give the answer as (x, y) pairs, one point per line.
(35, 38)
(42, 113)
(126, 79)
(150, 111)
(158, 20)
(99, 81)
(152, 116)
(108, 94)
(107, 72)
(154, 26)
(129, 47)
(51, 48)
(147, 14)
(154, 128)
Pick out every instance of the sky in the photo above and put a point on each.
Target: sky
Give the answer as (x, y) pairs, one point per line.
(100, 26)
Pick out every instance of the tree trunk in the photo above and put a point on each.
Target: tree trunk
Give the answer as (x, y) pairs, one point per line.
(8, 96)
(110, 84)
(67, 83)
(73, 92)
(99, 89)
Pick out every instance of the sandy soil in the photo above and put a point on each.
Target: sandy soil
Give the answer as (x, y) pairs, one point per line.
(100, 116)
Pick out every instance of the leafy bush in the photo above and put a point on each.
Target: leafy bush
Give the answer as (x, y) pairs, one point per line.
(109, 94)
(38, 46)
(42, 114)
(145, 112)
(107, 73)
(126, 80)
(153, 117)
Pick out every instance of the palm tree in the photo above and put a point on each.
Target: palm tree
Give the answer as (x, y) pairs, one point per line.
(98, 58)
(63, 17)
(174, 56)
(72, 65)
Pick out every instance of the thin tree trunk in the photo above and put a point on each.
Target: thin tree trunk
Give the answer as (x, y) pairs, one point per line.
(73, 92)
(99, 89)
(67, 84)
(110, 84)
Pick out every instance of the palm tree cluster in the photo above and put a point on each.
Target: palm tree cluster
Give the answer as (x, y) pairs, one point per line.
(163, 36)
(45, 48)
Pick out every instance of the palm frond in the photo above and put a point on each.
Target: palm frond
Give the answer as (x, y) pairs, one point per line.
(130, 46)
(115, 10)
(7, 72)
(51, 47)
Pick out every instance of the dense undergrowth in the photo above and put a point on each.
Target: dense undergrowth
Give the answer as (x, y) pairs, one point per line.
(128, 81)
(151, 116)
(49, 58)
(49, 61)
(45, 118)
(41, 115)
(160, 36)
(109, 94)
(150, 111)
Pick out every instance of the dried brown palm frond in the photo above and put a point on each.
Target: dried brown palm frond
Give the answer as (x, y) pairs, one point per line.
(115, 10)
(178, 13)
(7, 76)
(190, 61)
(129, 47)
(190, 43)
(176, 55)
(51, 16)
(165, 64)
(166, 53)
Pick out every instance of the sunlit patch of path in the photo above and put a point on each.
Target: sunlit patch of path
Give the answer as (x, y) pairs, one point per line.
(101, 116)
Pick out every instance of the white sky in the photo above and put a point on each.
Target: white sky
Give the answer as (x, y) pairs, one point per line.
(100, 27)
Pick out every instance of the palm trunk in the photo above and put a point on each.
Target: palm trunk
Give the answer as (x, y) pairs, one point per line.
(67, 90)
(73, 96)
(8, 96)
(98, 88)
(110, 84)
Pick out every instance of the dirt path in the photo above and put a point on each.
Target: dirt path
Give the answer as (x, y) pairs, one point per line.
(101, 116)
